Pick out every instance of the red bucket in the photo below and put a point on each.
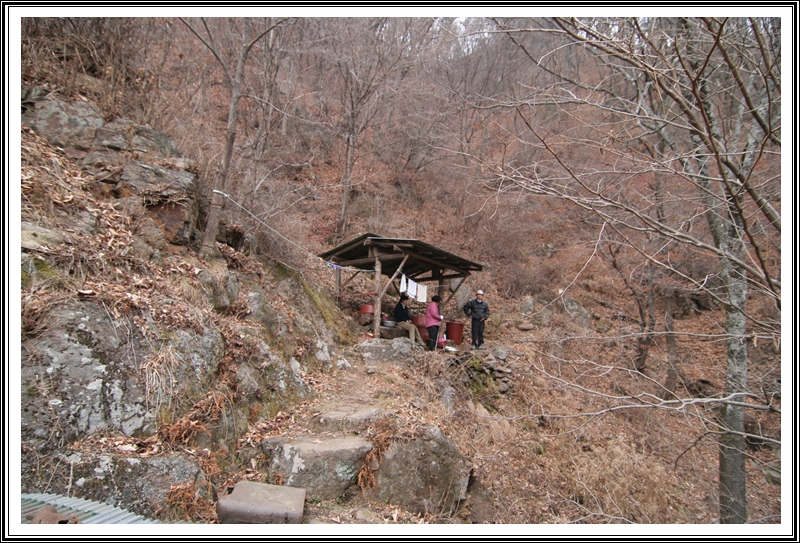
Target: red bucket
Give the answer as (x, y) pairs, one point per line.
(418, 320)
(423, 332)
(367, 309)
(454, 331)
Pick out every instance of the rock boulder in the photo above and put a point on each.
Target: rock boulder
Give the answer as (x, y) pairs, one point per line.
(325, 468)
(424, 475)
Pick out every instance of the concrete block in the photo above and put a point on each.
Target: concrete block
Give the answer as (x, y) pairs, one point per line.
(258, 503)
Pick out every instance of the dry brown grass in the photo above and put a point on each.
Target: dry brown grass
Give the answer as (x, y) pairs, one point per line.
(36, 311)
(189, 502)
(159, 377)
(185, 430)
(380, 434)
(181, 432)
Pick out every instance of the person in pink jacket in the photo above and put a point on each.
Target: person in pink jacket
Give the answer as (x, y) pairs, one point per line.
(432, 321)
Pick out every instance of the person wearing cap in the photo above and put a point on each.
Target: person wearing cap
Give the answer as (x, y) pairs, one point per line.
(404, 319)
(478, 309)
(432, 322)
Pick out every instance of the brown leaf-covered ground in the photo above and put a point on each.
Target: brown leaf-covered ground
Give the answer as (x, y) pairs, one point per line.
(580, 437)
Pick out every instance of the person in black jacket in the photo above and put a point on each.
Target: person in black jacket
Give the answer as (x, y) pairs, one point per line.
(478, 309)
(403, 319)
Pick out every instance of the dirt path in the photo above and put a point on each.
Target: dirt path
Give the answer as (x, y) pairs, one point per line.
(350, 400)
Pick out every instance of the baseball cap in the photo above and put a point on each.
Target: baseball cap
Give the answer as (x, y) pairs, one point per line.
(479, 292)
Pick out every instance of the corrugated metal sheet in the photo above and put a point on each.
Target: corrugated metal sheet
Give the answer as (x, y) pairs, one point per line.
(88, 512)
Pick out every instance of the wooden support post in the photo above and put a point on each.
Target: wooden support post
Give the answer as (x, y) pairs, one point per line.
(437, 275)
(391, 280)
(382, 292)
(376, 318)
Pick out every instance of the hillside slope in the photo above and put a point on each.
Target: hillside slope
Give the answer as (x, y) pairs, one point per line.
(137, 353)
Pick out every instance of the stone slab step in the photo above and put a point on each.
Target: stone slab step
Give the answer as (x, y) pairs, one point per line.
(346, 418)
(248, 502)
(324, 467)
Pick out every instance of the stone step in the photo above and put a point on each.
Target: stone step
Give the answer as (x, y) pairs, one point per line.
(381, 350)
(248, 502)
(345, 418)
(325, 467)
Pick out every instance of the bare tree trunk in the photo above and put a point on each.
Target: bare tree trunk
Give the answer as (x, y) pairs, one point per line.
(732, 460)
(726, 225)
(208, 247)
(347, 173)
(672, 350)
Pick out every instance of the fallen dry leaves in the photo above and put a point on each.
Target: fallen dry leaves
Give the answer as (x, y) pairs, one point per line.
(556, 462)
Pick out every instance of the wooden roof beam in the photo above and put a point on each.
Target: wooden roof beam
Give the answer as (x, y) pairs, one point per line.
(347, 248)
(395, 246)
(438, 263)
(371, 260)
(416, 253)
(444, 277)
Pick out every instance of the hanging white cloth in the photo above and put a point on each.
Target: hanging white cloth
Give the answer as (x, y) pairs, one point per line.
(422, 293)
(403, 287)
(412, 288)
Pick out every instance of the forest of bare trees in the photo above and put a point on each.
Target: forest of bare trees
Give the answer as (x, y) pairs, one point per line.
(688, 113)
(651, 146)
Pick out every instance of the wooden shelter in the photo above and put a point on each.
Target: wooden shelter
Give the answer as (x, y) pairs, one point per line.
(417, 260)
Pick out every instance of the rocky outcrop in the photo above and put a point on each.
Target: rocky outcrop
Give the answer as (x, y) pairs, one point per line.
(380, 350)
(347, 417)
(141, 484)
(125, 135)
(124, 158)
(326, 468)
(433, 472)
(486, 373)
(126, 335)
(81, 376)
(574, 310)
(71, 125)
(35, 238)
(168, 196)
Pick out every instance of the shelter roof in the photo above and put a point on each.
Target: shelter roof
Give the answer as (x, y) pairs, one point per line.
(360, 253)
